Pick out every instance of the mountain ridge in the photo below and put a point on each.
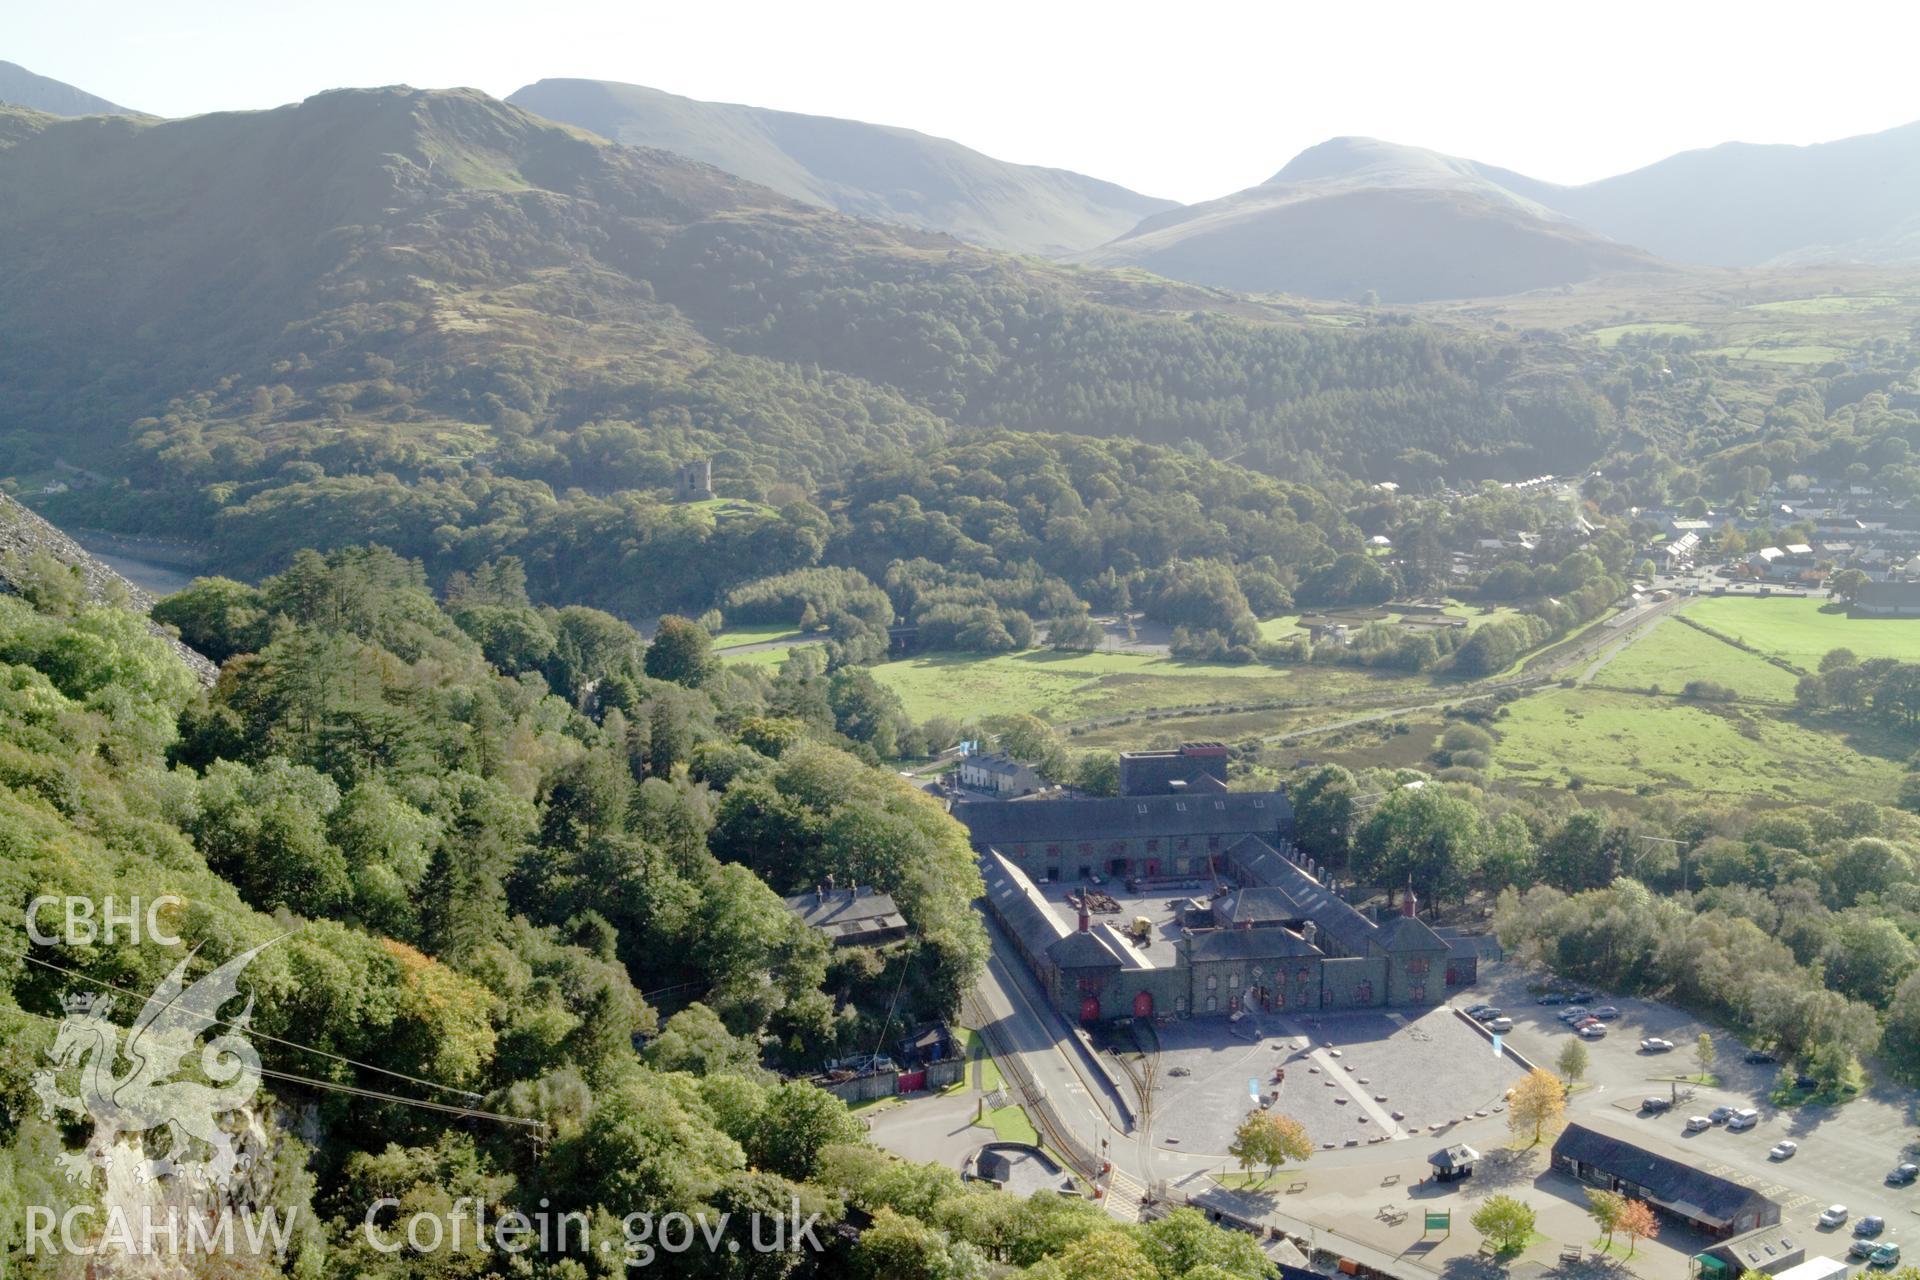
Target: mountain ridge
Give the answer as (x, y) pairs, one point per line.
(20, 87)
(881, 172)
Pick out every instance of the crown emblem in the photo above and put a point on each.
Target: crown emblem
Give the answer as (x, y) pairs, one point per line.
(78, 1004)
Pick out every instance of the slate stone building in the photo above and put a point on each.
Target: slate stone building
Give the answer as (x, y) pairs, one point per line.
(1259, 928)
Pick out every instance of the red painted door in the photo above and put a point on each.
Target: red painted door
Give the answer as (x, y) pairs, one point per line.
(1143, 1005)
(1153, 867)
(912, 1081)
(1090, 1009)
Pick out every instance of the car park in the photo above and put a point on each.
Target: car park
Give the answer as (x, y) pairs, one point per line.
(1654, 1044)
(1869, 1226)
(1783, 1150)
(1833, 1215)
(1903, 1175)
(1698, 1124)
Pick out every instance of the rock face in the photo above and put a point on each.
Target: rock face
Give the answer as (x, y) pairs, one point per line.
(24, 534)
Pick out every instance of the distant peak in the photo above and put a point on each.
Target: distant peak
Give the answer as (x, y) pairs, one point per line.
(1344, 156)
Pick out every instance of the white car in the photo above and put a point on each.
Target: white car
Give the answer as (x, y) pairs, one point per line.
(1654, 1044)
(1783, 1150)
(1502, 1025)
(1744, 1118)
(1698, 1124)
(1834, 1215)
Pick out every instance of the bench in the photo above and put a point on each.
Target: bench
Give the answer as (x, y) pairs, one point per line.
(1392, 1179)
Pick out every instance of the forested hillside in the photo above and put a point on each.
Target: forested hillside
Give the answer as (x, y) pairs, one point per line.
(427, 317)
(501, 852)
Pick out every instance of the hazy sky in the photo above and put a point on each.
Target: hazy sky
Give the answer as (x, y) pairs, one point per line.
(1185, 100)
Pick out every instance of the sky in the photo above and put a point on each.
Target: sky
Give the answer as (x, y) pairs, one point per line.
(1187, 101)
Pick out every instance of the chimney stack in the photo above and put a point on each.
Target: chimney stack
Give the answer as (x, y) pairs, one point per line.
(1410, 908)
(1086, 921)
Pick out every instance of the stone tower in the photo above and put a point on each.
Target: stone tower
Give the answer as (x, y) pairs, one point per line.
(694, 483)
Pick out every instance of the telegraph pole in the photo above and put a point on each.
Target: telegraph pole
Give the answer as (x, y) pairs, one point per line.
(1685, 846)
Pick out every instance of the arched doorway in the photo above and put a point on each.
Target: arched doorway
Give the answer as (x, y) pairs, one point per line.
(1143, 1005)
(1090, 1009)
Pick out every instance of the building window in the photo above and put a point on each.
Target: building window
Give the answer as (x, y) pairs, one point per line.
(1213, 1003)
(1179, 1004)
(1213, 982)
(1419, 992)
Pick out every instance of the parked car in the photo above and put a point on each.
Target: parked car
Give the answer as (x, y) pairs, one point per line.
(1902, 1175)
(1862, 1248)
(1592, 1030)
(1607, 1012)
(1654, 1044)
(1884, 1255)
(1744, 1118)
(1552, 997)
(1807, 1083)
(1655, 1104)
(1720, 1115)
(1698, 1124)
(1783, 1150)
(1481, 1012)
(1573, 1013)
(1582, 997)
(1833, 1215)
(1502, 1025)
(1869, 1226)
(1761, 1058)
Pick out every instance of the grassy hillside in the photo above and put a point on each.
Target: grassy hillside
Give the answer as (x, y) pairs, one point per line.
(868, 170)
(1356, 215)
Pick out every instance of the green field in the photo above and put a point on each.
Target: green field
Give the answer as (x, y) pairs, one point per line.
(1623, 741)
(1764, 353)
(1673, 653)
(1832, 304)
(735, 637)
(1803, 630)
(1068, 686)
(1612, 334)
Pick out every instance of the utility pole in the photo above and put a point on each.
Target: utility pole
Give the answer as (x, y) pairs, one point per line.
(1686, 847)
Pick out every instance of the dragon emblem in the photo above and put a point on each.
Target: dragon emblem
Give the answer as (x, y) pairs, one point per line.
(147, 1093)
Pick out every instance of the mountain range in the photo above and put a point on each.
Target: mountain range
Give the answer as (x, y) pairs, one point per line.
(1347, 218)
(867, 170)
(20, 87)
(1357, 216)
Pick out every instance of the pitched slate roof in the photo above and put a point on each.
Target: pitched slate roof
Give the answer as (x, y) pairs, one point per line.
(1258, 904)
(1404, 933)
(1672, 1184)
(1082, 951)
(1250, 944)
(1001, 822)
(1333, 917)
(1019, 906)
(838, 911)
